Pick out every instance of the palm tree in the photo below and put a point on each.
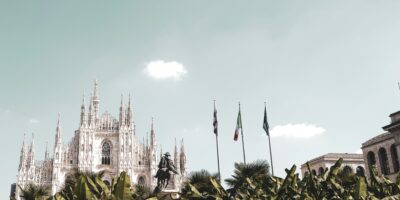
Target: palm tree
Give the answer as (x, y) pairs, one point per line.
(72, 178)
(201, 181)
(257, 172)
(34, 192)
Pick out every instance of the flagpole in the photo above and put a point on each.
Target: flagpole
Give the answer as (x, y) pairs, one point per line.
(269, 141)
(215, 123)
(241, 131)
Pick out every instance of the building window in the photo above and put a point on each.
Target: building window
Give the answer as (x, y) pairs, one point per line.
(141, 181)
(314, 172)
(321, 171)
(105, 153)
(347, 170)
(360, 171)
(395, 158)
(371, 159)
(383, 161)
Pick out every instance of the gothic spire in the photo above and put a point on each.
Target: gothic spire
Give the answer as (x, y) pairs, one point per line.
(90, 114)
(96, 102)
(176, 157)
(58, 131)
(147, 139)
(95, 89)
(182, 147)
(152, 135)
(129, 112)
(23, 142)
(46, 154)
(122, 112)
(175, 153)
(83, 121)
(23, 154)
(32, 151)
(182, 158)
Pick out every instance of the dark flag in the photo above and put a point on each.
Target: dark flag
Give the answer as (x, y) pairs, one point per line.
(215, 122)
(265, 124)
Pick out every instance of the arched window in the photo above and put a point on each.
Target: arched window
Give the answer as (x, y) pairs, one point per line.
(321, 171)
(360, 171)
(141, 181)
(395, 158)
(314, 172)
(105, 153)
(383, 161)
(371, 159)
(347, 169)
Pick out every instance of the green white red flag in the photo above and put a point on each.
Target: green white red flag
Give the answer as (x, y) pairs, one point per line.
(238, 126)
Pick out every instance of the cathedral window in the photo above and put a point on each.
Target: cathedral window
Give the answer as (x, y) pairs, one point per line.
(106, 151)
(141, 181)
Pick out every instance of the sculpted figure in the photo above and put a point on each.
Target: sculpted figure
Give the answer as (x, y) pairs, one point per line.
(165, 168)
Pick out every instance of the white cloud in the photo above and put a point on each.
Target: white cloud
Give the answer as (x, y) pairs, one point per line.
(34, 121)
(296, 131)
(160, 69)
(359, 151)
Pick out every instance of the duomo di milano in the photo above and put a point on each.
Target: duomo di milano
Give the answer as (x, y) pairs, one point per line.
(100, 143)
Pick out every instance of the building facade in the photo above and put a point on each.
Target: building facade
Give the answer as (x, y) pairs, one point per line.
(383, 150)
(101, 143)
(318, 165)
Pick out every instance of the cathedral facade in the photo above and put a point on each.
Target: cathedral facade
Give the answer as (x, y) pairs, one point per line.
(101, 143)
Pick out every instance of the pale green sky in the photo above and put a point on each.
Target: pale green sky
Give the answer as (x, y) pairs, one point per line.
(331, 64)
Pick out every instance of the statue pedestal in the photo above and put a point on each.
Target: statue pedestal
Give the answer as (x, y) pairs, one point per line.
(169, 194)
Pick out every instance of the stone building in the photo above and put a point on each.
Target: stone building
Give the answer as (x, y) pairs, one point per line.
(382, 150)
(101, 143)
(351, 163)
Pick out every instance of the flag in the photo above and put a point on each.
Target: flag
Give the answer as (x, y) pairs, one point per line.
(265, 124)
(215, 122)
(238, 126)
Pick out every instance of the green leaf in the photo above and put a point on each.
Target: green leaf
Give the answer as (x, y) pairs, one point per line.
(123, 187)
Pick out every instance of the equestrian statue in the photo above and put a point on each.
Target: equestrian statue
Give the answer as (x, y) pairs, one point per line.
(165, 168)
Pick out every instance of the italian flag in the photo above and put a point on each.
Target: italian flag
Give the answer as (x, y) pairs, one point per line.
(238, 126)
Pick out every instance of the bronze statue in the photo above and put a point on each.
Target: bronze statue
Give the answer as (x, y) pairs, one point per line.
(164, 168)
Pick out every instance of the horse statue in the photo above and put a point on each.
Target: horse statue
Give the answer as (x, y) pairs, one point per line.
(165, 169)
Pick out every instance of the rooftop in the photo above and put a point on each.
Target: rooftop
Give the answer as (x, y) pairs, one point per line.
(335, 156)
(378, 138)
